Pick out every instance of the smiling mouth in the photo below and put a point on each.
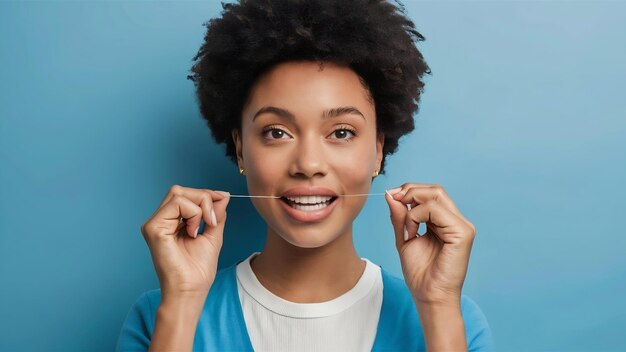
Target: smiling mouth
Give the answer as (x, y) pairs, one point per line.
(308, 203)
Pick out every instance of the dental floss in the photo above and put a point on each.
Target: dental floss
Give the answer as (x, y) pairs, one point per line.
(408, 206)
(276, 197)
(245, 196)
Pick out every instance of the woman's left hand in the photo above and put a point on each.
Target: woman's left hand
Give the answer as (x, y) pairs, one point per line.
(434, 264)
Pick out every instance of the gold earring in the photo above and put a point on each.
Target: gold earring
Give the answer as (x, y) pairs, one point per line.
(241, 170)
(375, 173)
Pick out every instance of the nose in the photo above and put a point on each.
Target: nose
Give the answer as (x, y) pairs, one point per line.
(308, 158)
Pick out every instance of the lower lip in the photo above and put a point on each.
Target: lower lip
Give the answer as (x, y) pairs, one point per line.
(309, 216)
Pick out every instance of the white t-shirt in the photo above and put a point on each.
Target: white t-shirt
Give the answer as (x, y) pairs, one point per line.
(346, 323)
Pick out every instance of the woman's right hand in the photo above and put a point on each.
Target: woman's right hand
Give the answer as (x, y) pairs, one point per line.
(186, 263)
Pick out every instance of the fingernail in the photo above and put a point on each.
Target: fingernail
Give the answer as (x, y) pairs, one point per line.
(406, 234)
(195, 233)
(213, 218)
(394, 190)
(389, 194)
(225, 194)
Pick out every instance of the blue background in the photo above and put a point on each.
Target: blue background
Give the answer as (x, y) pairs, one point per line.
(522, 122)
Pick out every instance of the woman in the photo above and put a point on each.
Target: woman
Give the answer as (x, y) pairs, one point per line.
(309, 98)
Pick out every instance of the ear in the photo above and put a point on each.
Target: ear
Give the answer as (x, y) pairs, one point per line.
(238, 148)
(380, 143)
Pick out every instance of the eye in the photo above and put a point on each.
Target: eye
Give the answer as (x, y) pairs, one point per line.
(275, 133)
(344, 133)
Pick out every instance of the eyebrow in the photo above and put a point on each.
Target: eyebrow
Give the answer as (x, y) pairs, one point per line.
(326, 114)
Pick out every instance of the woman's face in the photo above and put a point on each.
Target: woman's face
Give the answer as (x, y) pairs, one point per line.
(308, 135)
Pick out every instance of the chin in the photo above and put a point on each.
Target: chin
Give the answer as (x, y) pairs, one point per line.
(307, 239)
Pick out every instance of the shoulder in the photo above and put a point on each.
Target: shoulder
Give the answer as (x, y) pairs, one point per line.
(226, 276)
(395, 286)
(146, 305)
(477, 327)
(138, 325)
(393, 282)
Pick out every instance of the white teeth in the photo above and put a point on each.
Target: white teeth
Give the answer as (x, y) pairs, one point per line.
(309, 207)
(310, 199)
(309, 203)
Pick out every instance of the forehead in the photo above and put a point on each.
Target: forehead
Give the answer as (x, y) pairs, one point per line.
(305, 87)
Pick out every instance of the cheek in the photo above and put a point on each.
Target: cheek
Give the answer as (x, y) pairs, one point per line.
(263, 170)
(354, 178)
(355, 167)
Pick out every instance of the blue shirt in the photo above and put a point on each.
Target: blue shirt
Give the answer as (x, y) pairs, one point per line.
(221, 326)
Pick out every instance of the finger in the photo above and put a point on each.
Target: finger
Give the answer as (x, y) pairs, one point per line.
(207, 208)
(215, 234)
(166, 220)
(194, 194)
(446, 225)
(191, 213)
(412, 227)
(192, 223)
(218, 215)
(207, 204)
(415, 194)
(202, 197)
(398, 213)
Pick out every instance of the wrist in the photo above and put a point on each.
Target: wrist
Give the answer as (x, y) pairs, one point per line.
(180, 290)
(182, 306)
(438, 298)
(451, 302)
(176, 322)
(443, 326)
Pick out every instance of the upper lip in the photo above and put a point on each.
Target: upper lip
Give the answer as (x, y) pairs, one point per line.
(309, 191)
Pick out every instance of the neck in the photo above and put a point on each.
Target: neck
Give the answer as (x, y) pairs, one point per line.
(308, 275)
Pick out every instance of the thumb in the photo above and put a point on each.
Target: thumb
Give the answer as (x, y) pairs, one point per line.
(220, 210)
(398, 212)
(219, 207)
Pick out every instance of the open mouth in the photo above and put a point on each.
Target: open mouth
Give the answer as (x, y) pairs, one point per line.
(308, 203)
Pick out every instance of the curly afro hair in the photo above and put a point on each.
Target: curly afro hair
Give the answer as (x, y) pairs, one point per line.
(372, 37)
